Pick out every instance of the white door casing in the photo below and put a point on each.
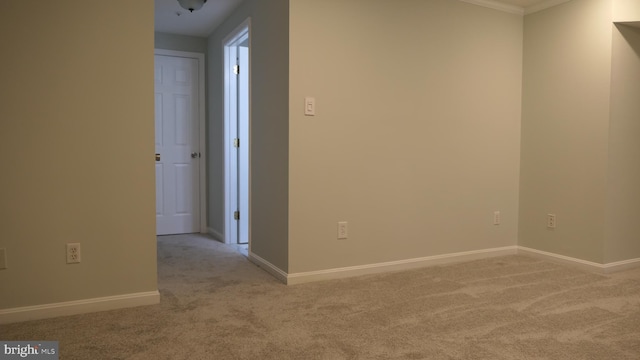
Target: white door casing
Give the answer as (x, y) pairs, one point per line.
(180, 167)
(237, 115)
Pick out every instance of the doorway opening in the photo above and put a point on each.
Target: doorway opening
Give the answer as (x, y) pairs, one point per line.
(237, 140)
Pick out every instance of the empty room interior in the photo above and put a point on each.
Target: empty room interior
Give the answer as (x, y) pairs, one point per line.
(443, 132)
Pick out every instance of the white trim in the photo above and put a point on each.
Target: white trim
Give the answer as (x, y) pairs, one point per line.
(584, 264)
(408, 264)
(338, 273)
(245, 26)
(268, 267)
(514, 9)
(215, 234)
(249, 126)
(621, 265)
(202, 181)
(497, 5)
(543, 6)
(78, 307)
(226, 144)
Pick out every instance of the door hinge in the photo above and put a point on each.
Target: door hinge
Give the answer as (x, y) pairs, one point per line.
(236, 69)
(236, 215)
(236, 143)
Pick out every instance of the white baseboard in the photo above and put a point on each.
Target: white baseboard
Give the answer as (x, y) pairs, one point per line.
(216, 235)
(584, 264)
(38, 312)
(268, 267)
(621, 265)
(338, 273)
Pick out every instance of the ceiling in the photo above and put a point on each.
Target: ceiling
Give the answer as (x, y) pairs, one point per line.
(171, 18)
(199, 23)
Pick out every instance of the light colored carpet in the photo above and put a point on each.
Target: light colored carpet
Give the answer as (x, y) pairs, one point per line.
(217, 305)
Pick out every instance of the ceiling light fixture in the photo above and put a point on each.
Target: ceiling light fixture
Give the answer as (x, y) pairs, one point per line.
(192, 5)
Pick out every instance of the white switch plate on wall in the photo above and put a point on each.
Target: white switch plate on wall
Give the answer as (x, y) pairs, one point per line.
(309, 106)
(343, 231)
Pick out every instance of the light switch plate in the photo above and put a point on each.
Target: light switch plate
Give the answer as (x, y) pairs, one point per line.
(343, 230)
(309, 106)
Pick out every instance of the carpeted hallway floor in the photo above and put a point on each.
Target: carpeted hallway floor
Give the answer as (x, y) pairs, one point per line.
(217, 305)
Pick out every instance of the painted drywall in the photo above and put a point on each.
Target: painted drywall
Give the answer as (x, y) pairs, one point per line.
(623, 200)
(565, 121)
(180, 42)
(269, 127)
(626, 10)
(416, 136)
(76, 144)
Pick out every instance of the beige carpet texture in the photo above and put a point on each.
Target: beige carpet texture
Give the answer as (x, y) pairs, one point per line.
(215, 304)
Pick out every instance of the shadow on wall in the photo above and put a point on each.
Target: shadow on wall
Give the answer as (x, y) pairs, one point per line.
(631, 33)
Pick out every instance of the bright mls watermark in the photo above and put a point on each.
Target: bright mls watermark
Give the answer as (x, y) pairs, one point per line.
(41, 350)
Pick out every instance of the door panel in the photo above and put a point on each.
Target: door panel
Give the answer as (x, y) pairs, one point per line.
(177, 173)
(243, 151)
(159, 190)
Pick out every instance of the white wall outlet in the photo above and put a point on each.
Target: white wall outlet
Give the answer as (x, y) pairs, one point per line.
(343, 231)
(496, 218)
(551, 221)
(73, 253)
(3, 258)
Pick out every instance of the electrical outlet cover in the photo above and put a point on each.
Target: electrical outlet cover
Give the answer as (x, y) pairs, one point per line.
(496, 218)
(73, 253)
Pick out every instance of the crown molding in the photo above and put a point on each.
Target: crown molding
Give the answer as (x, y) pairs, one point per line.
(513, 9)
(543, 6)
(497, 5)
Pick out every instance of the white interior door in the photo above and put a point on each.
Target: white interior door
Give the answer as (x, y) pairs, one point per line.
(243, 133)
(177, 145)
(233, 146)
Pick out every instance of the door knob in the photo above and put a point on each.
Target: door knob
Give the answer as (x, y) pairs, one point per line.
(194, 155)
(157, 157)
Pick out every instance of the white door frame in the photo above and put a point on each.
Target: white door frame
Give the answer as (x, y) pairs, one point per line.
(202, 163)
(229, 220)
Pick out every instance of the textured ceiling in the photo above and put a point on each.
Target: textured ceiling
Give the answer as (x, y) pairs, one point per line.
(199, 23)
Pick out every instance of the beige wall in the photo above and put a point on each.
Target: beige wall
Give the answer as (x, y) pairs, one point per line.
(416, 139)
(76, 144)
(626, 10)
(269, 127)
(567, 68)
(623, 201)
(180, 42)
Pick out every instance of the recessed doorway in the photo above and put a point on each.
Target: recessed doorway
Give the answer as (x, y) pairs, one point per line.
(237, 115)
